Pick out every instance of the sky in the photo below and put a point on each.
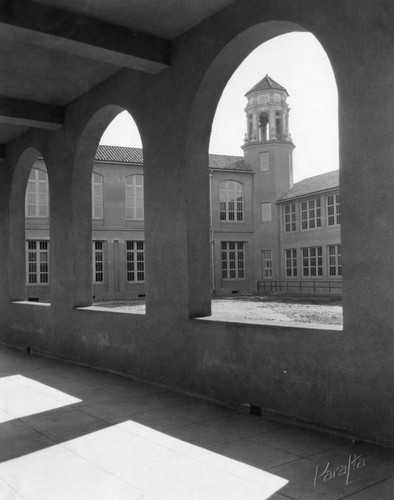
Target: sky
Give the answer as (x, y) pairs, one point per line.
(296, 61)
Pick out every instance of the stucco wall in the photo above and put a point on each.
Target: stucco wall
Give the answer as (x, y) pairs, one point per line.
(339, 379)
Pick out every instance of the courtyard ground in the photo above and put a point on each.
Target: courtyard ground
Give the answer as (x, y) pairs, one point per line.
(259, 310)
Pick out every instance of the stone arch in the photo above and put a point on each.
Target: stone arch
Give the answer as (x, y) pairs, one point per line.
(23, 166)
(202, 110)
(79, 181)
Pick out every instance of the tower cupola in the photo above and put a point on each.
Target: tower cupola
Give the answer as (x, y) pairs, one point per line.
(267, 112)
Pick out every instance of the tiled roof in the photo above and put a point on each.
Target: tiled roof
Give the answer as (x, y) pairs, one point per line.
(267, 83)
(225, 162)
(312, 185)
(121, 154)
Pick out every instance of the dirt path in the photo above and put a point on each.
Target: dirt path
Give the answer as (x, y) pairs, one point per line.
(257, 310)
(260, 310)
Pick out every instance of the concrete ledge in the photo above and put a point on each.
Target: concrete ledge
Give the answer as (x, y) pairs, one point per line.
(110, 310)
(279, 324)
(31, 303)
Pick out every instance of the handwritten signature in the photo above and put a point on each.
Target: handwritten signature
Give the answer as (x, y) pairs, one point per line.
(326, 471)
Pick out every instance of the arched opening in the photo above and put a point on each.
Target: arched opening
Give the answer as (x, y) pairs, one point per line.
(291, 242)
(29, 271)
(37, 233)
(263, 127)
(117, 201)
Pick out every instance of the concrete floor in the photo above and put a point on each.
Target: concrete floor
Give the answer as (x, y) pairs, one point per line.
(68, 432)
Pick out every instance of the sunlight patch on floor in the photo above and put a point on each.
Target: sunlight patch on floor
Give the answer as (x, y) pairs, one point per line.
(133, 461)
(21, 396)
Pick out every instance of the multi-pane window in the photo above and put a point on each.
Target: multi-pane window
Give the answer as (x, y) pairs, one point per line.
(266, 258)
(266, 212)
(333, 210)
(264, 161)
(311, 214)
(98, 261)
(135, 261)
(291, 262)
(135, 197)
(231, 201)
(37, 194)
(312, 261)
(334, 260)
(233, 260)
(37, 262)
(290, 218)
(97, 196)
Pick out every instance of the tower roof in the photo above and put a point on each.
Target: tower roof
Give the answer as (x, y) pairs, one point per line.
(267, 83)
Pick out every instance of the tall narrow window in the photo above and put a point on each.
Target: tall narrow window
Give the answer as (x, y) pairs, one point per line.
(233, 260)
(311, 214)
(290, 218)
(334, 260)
(333, 210)
(135, 197)
(135, 261)
(266, 257)
(266, 212)
(291, 262)
(98, 262)
(264, 161)
(97, 196)
(231, 201)
(37, 194)
(312, 262)
(37, 262)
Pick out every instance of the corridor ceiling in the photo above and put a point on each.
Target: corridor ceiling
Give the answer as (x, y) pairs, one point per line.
(53, 51)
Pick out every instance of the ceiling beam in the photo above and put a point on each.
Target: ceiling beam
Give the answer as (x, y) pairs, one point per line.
(54, 28)
(31, 114)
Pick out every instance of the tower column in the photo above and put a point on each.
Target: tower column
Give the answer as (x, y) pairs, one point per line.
(285, 125)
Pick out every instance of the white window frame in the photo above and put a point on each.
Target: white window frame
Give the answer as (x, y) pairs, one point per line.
(37, 194)
(264, 161)
(266, 211)
(134, 192)
(333, 210)
(291, 263)
(290, 218)
(98, 261)
(135, 261)
(312, 262)
(97, 196)
(334, 260)
(311, 214)
(233, 260)
(37, 262)
(231, 201)
(266, 260)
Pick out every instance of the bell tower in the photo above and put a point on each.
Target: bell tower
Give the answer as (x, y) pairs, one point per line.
(268, 149)
(268, 146)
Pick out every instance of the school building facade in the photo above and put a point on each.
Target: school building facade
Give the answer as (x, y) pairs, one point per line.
(267, 234)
